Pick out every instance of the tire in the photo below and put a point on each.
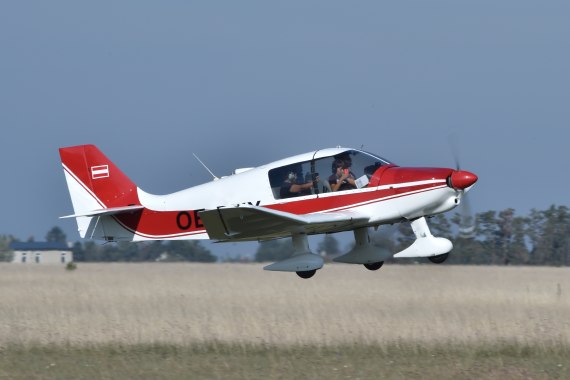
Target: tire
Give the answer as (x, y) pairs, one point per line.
(306, 273)
(374, 266)
(439, 258)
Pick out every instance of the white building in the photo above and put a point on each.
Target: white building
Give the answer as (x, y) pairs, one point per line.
(41, 253)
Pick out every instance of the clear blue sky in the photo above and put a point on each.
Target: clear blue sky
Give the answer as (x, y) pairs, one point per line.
(242, 83)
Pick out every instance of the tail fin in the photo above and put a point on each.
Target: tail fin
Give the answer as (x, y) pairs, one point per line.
(95, 183)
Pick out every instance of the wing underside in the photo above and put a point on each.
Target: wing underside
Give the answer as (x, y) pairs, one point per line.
(259, 223)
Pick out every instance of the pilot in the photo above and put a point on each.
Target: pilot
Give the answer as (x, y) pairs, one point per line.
(290, 188)
(342, 178)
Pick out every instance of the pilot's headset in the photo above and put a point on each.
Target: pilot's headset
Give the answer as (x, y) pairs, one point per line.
(292, 176)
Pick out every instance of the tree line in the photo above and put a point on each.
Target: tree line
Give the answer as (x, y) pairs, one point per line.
(499, 238)
(91, 251)
(542, 237)
(502, 238)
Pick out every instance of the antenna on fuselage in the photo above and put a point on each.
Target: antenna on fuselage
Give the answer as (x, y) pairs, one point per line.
(204, 165)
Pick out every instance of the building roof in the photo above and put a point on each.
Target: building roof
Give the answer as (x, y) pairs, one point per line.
(39, 246)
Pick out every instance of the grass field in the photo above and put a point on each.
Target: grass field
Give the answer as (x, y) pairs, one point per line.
(238, 321)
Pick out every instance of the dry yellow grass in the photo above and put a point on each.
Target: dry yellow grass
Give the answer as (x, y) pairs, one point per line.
(187, 304)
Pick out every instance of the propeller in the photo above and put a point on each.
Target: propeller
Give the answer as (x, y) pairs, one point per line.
(467, 225)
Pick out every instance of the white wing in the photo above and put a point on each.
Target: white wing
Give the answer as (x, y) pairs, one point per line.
(258, 223)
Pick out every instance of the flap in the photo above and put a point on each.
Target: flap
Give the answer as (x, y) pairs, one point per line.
(254, 223)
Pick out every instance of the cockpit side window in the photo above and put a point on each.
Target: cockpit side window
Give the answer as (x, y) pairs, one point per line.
(291, 181)
(349, 170)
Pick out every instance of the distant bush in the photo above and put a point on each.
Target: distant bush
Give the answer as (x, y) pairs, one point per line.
(6, 254)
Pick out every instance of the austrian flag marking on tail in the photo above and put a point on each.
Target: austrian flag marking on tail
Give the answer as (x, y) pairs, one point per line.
(100, 171)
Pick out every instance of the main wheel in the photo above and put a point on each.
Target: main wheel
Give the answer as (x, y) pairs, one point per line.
(374, 266)
(306, 273)
(439, 258)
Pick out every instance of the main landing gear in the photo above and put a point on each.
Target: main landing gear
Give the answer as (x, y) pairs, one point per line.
(306, 273)
(374, 266)
(303, 262)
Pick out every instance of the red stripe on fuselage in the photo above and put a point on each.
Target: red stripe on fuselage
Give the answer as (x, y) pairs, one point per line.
(346, 199)
(161, 224)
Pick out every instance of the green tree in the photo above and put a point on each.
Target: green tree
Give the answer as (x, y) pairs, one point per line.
(518, 252)
(152, 251)
(440, 226)
(385, 237)
(92, 251)
(188, 250)
(466, 248)
(504, 235)
(78, 252)
(468, 251)
(549, 233)
(138, 252)
(329, 245)
(488, 231)
(6, 253)
(405, 236)
(56, 235)
(274, 250)
(534, 232)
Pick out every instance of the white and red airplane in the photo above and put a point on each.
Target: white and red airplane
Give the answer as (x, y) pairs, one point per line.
(324, 191)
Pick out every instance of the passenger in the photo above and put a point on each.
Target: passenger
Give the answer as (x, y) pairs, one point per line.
(290, 188)
(371, 169)
(342, 178)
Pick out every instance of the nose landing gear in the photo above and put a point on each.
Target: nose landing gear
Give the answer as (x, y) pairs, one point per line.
(439, 258)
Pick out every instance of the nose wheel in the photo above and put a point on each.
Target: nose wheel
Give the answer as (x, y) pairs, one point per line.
(439, 258)
(374, 266)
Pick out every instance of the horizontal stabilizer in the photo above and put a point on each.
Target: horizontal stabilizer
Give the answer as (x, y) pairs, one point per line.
(106, 211)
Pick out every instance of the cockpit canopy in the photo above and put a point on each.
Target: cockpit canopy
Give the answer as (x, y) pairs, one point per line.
(321, 173)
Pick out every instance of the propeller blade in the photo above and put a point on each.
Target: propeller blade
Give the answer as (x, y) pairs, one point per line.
(454, 151)
(467, 226)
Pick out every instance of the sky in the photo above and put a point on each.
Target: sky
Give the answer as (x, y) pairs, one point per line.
(243, 83)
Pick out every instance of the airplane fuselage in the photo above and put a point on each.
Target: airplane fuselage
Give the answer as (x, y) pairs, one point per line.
(392, 194)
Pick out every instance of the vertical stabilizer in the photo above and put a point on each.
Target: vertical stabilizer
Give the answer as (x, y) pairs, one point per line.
(94, 183)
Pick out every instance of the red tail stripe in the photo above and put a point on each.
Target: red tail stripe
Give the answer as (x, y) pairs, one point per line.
(100, 175)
